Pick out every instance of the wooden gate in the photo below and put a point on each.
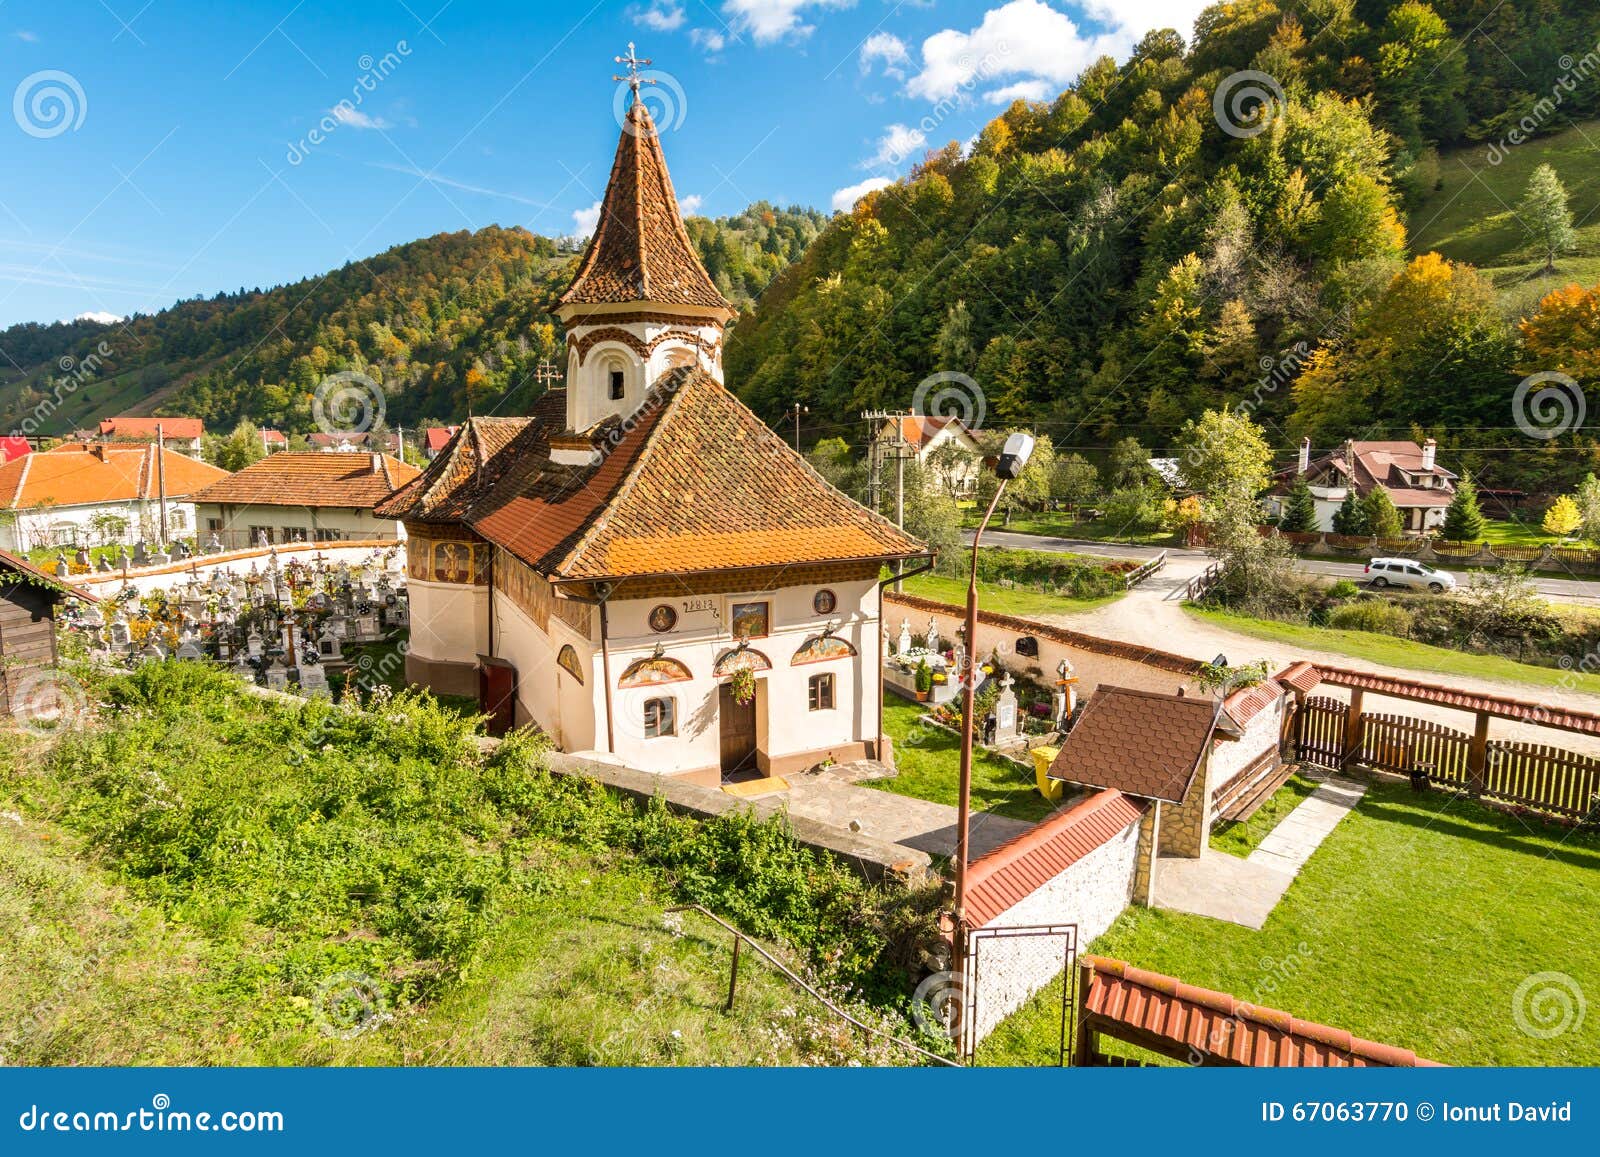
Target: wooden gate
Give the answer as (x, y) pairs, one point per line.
(1320, 728)
(1402, 745)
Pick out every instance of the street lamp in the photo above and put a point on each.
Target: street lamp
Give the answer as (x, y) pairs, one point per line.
(797, 409)
(1007, 468)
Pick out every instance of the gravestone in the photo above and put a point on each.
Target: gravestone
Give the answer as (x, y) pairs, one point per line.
(1005, 710)
(328, 646)
(82, 557)
(214, 543)
(141, 554)
(62, 569)
(933, 635)
(252, 644)
(902, 645)
(277, 675)
(104, 566)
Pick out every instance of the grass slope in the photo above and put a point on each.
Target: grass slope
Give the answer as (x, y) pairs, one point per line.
(1001, 600)
(929, 762)
(1404, 653)
(1472, 217)
(1423, 921)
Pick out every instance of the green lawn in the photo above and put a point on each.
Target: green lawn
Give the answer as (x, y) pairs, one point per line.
(1416, 923)
(1060, 525)
(1240, 839)
(1001, 600)
(1394, 652)
(1471, 216)
(929, 761)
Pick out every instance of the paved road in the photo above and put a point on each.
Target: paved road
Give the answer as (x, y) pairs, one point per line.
(1585, 592)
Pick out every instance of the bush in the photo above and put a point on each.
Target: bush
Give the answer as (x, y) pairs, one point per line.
(1343, 589)
(1376, 615)
(1045, 570)
(1137, 509)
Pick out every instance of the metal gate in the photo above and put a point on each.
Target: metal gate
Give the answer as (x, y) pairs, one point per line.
(1007, 966)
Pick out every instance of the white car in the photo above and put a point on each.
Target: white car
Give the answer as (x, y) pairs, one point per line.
(1403, 572)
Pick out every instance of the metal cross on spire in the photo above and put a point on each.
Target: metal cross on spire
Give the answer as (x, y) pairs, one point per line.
(633, 62)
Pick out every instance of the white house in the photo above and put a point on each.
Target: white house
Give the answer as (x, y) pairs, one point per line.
(306, 496)
(641, 566)
(949, 455)
(98, 493)
(1420, 488)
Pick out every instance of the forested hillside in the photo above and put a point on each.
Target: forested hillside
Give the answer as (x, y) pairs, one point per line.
(446, 322)
(1167, 236)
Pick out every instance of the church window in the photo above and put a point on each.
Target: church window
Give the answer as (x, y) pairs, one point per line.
(660, 718)
(618, 385)
(820, 693)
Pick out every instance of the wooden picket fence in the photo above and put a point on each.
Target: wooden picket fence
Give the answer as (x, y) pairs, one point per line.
(1533, 775)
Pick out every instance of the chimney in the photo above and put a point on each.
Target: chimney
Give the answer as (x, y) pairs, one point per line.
(1305, 454)
(1429, 449)
(377, 463)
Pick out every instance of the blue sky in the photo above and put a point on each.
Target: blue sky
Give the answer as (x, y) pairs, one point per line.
(159, 149)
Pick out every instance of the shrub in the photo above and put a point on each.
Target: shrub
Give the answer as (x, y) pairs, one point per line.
(1343, 589)
(1137, 509)
(1376, 615)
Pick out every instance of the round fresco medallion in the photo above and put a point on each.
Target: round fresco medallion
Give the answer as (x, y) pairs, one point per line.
(663, 618)
(824, 602)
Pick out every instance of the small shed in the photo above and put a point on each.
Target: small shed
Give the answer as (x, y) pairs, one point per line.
(28, 601)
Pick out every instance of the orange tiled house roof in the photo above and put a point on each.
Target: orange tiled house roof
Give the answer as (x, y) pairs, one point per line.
(82, 474)
(312, 478)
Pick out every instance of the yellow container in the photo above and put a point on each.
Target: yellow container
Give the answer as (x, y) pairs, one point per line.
(1043, 757)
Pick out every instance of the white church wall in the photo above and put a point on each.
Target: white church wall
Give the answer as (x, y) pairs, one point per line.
(449, 621)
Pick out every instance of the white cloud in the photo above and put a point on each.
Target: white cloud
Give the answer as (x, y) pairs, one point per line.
(27, 37)
(890, 49)
(99, 315)
(1022, 90)
(845, 199)
(660, 16)
(690, 205)
(585, 221)
(897, 143)
(1040, 46)
(348, 114)
(708, 40)
(770, 20)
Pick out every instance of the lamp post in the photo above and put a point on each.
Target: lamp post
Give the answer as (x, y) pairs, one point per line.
(797, 409)
(1013, 457)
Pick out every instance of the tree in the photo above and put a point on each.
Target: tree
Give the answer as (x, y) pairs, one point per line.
(951, 467)
(1543, 211)
(1300, 512)
(933, 516)
(1383, 518)
(1224, 455)
(840, 468)
(1351, 517)
(1588, 500)
(1463, 520)
(1128, 465)
(1032, 489)
(1563, 517)
(953, 348)
(238, 450)
(1075, 481)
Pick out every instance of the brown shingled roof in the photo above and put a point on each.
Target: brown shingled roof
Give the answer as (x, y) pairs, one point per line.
(1021, 866)
(1140, 742)
(311, 478)
(640, 250)
(1179, 1019)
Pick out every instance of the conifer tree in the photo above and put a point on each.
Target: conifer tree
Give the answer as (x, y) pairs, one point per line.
(1463, 521)
(1300, 513)
(1351, 517)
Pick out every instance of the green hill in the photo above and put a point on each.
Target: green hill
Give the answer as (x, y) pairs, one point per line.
(1471, 216)
(444, 323)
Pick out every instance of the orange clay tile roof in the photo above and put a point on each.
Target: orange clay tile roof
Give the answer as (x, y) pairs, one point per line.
(692, 482)
(1139, 1006)
(77, 474)
(1019, 867)
(1246, 703)
(13, 565)
(1143, 743)
(640, 250)
(1302, 676)
(436, 438)
(146, 428)
(312, 478)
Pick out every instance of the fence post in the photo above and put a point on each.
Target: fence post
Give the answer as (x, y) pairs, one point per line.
(1478, 756)
(1352, 730)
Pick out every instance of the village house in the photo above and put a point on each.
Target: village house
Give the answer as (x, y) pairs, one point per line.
(98, 493)
(641, 566)
(435, 439)
(1420, 488)
(947, 452)
(13, 446)
(301, 497)
(185, 435)
(274, 440)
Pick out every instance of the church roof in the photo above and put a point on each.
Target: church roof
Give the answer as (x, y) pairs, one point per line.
(640, 251)
(693, 482)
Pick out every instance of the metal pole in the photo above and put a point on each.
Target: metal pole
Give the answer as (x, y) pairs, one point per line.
(161, 480)
(733, 975)
(964, 803)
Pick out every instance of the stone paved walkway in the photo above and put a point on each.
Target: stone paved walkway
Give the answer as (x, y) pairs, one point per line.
(1246, 891)
(916, 823)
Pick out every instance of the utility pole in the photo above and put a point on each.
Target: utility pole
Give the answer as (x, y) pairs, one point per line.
(161, 482)
(400, 442)
(798, 409)
(902, 450)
